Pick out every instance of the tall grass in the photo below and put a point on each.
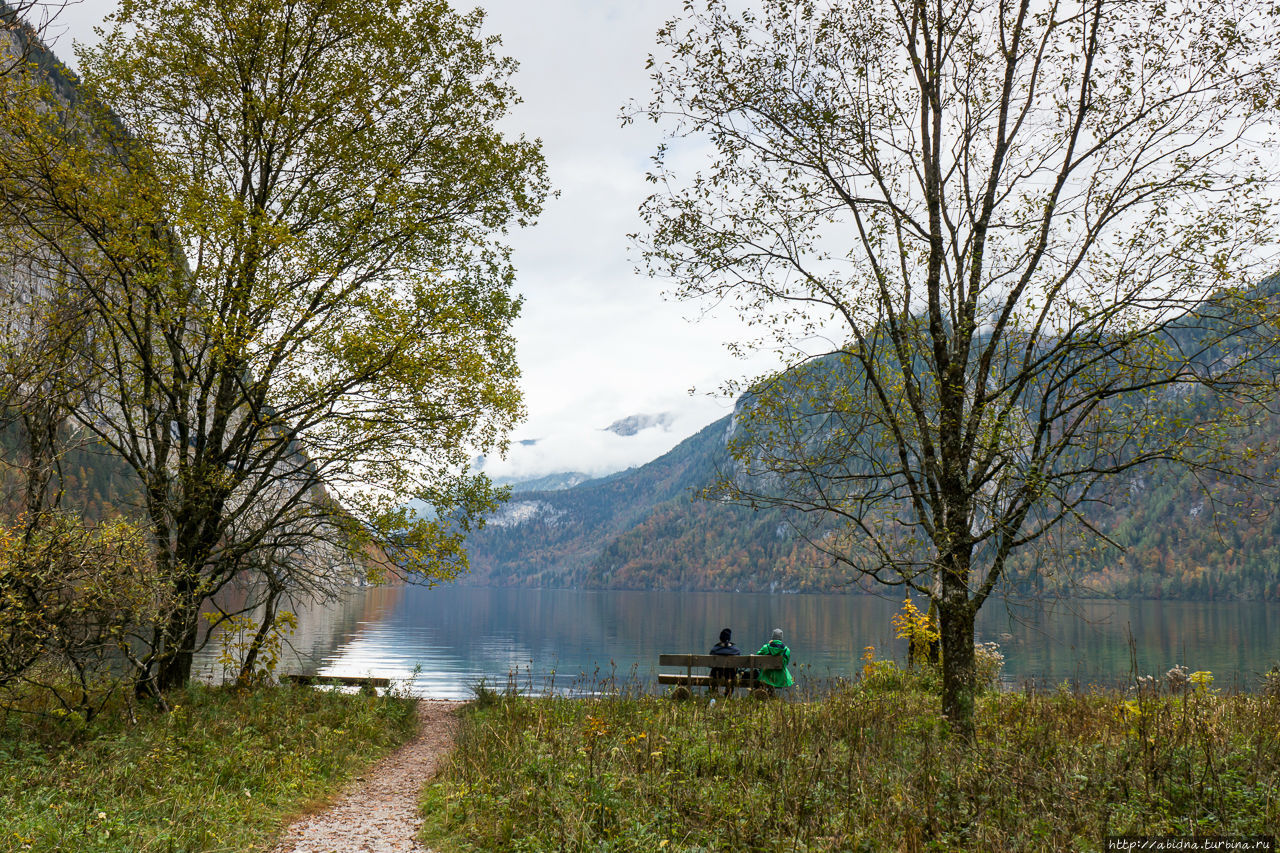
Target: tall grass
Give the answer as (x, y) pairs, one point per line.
(221, 772)
(868, 767)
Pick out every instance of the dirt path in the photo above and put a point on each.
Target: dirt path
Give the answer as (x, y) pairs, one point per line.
(380, 813)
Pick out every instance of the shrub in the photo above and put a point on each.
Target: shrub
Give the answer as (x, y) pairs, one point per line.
(72, 597)
(920, 630)
(1271, 684)
(886, 675)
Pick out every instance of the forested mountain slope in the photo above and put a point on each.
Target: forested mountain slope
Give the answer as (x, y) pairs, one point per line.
(645, 529)
(553, 538)
(1182, 535)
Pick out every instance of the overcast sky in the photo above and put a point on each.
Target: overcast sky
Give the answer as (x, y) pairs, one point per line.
(597, 342)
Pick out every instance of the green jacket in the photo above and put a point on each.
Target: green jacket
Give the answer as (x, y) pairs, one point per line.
(777, 677)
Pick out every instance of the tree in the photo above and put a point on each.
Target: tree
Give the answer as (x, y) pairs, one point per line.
(44, 327)
(289, 225)
(41, 324)
(1024, 225)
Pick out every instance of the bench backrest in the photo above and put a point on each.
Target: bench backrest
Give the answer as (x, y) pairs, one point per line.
(723, 661)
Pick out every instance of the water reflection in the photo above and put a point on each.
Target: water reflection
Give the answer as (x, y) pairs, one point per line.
(322, 629)
(443, 641)
(1102, 641)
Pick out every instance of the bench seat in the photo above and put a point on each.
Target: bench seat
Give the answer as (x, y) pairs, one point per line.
(742, 680)
(738, 662)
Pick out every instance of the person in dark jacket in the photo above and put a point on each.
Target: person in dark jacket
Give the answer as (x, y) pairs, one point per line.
(725, 675)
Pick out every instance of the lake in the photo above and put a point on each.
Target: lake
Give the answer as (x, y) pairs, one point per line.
(445, 640)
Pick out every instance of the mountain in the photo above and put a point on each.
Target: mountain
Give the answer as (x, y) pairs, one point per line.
(646, 528)
(552, 538)
(633, 424)
(546, 483)
(93, 481)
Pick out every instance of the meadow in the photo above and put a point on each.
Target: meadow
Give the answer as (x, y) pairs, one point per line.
(867, 767)
(223, 770)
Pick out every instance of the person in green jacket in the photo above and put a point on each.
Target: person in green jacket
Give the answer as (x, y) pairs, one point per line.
(777, 678)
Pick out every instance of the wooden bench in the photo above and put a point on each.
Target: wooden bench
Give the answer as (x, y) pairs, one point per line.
(739, 662)
(365, 683)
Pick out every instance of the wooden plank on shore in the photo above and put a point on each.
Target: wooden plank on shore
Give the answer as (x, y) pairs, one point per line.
(723, 661)
(344, 680)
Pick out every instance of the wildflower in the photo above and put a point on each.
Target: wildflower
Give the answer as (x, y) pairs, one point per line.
(1202, 679)
(988, 661)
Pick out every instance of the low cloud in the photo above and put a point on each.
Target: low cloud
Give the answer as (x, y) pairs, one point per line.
(569, 443)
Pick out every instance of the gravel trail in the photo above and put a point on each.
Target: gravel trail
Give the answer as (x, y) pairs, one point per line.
(379, 814)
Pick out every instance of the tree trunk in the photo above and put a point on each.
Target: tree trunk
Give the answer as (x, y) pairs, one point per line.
(197, 528)
(956, 625)
(41, 422)
(174, 665)
(260, 638)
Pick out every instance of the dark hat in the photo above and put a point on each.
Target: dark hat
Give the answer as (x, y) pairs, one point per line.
(725, 635)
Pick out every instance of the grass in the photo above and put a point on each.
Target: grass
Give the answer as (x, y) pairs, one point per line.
(222, 771)
(868, 767)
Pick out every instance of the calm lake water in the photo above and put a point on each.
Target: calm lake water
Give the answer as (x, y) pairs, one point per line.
(445, 640)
